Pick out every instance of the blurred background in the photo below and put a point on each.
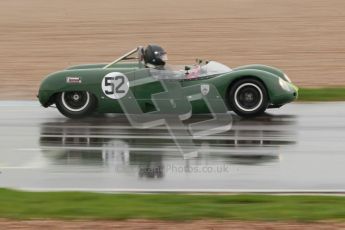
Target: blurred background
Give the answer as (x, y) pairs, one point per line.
(306, 38)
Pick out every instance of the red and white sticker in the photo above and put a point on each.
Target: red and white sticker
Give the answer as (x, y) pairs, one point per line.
(73, 80)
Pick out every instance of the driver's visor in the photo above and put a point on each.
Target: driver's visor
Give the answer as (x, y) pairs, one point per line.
(164, 57)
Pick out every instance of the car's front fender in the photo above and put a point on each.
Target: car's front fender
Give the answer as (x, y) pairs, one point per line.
(224, 82)
(265, 68)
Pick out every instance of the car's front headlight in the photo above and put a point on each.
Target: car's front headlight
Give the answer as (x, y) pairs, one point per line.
(287, 78)
(284, 84)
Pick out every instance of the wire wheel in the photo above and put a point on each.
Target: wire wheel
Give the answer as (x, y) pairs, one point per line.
(248, 97)
(75, 104)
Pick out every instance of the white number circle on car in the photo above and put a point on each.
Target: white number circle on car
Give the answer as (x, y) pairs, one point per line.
(115, 85)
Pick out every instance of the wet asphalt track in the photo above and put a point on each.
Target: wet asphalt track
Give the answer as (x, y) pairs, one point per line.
(297, 148)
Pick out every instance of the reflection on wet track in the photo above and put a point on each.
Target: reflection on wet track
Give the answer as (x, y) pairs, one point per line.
(112, 142)
(297, 148)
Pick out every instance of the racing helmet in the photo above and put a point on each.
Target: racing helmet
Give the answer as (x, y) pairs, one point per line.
(155, 55)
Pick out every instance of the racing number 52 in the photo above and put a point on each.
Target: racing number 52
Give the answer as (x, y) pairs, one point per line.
(115, 83)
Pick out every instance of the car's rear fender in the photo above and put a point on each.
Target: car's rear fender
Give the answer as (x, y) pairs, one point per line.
(89, 80)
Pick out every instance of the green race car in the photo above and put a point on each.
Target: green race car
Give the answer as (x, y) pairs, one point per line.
(142, 79)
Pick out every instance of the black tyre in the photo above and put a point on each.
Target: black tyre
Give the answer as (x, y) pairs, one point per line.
(76, 104)
(248, 98)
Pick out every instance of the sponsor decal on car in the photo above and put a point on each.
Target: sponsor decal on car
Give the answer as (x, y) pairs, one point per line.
(73, 80)
(205, 88)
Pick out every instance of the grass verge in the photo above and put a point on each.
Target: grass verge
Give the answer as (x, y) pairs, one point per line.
(83, 205)
(321, 94)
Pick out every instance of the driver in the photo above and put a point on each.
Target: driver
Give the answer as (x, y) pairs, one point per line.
(155, 57)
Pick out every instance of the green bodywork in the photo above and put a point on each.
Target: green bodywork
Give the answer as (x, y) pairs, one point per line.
(92, 75)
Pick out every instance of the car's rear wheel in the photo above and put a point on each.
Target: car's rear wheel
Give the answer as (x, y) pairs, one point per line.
(248, 97)
(76, 104)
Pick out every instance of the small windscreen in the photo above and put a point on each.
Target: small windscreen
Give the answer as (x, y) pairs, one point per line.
(193, 71)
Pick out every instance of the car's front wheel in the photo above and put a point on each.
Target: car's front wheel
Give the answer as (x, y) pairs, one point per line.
(76, 104)
(248, 97)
